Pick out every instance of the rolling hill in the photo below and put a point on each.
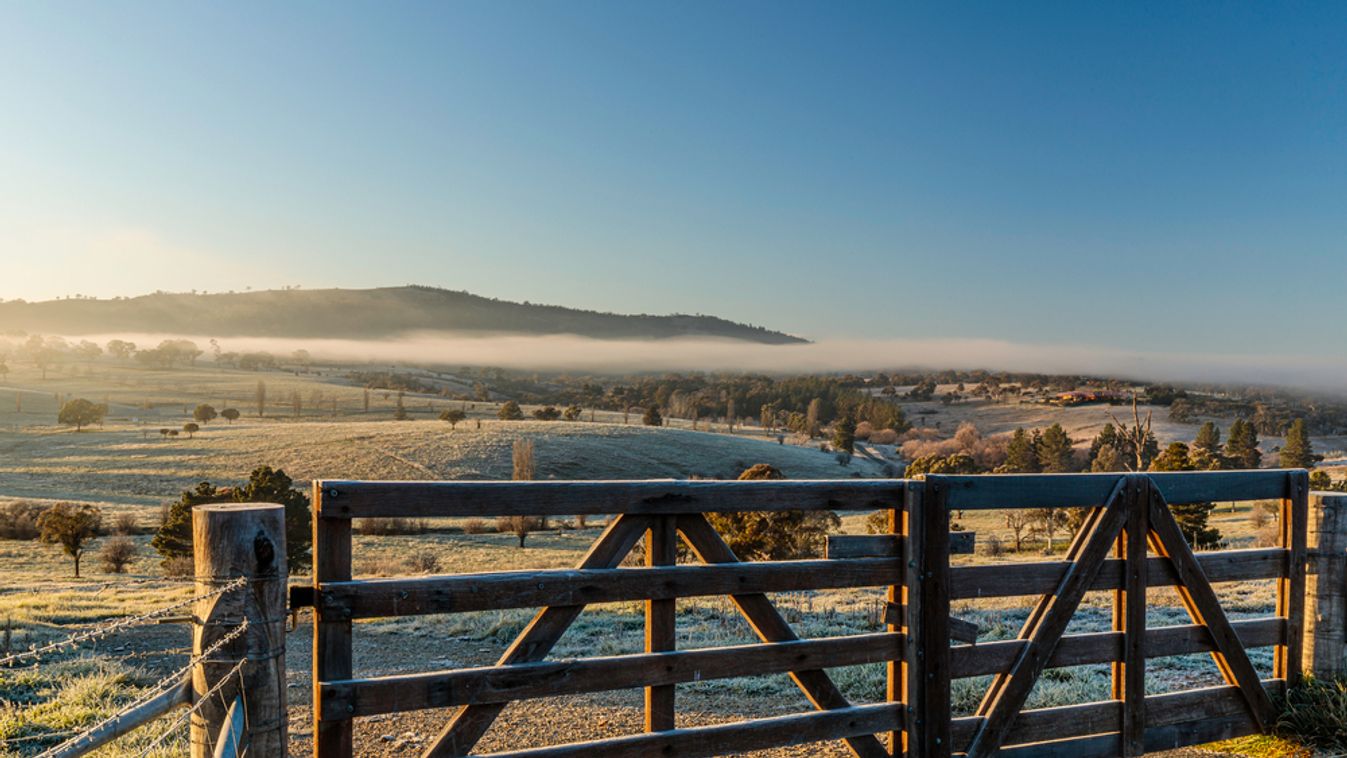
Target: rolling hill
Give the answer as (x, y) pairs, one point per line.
(354, 314)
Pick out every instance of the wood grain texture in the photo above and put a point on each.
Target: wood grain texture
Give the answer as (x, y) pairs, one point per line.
(351, 499)
(332, 738)
(525, 681)
(851, 723)
(933, 637)
(1017, 579)
(1006, 702)
(459, 593)
(771, 626)
(1326, 593)
(1129, 617)
(1291, 588)
(1104, 647)
(982, 492)
(661, 550)
(1203, 607)
(469, 723)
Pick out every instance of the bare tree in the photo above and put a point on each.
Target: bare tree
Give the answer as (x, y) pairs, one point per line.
(1136, 435)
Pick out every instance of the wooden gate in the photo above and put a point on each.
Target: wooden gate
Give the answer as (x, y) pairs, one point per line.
(659, 512)
(1126, 514)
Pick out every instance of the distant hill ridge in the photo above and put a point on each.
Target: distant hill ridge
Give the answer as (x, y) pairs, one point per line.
(354, 314)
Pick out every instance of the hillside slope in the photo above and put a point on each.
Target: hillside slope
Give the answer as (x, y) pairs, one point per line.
(353, 314)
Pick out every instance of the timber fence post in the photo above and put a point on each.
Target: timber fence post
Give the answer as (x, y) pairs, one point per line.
(1326, 590)
(242, 543)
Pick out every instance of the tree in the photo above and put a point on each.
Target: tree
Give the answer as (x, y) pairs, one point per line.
(1047, 522)
(1298, 452)
(1241, 446)
(523, 464)
(191, 427)
(1191, 517)
(260, 395)
(117, 554)
(71, 526)
(510, 411)
(1137, 444)
(1055, 451)
(80, 413)
(1175, 458)
(844, 434)
(1206, 450)
(811, 417)
(204, 413)
(1107, 436)
(230, 414)
(548, 413)
(120, 349)
(453, 416)
(572, 413)
(652, 417)
(264, 485)
(1107, 459)
(519, 525)
(1021, 455)
(774, 535)
(1018, 521)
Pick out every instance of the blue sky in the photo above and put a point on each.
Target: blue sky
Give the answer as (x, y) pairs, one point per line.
(1147, 176)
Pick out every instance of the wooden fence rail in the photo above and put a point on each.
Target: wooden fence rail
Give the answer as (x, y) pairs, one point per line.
(1128, 543)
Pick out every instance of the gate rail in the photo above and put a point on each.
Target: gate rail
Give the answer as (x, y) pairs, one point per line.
(1127, 514)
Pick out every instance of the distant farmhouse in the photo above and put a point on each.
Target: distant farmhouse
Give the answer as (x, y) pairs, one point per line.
(1082, 397)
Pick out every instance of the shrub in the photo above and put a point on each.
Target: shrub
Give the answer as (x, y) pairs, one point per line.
(423, 562)
(476, 526)
(118, 553)
(392, 526)
(124, 523)
(991, 546)
(178, 566)
(520, 526)
(510, 411)
(884, 436)
(1314, 713)
(264, 485)
(18, 521)
(774, 535)
(864, 430)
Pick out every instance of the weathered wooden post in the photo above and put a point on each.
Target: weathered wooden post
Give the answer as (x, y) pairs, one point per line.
(1326, 590)
(233, 540)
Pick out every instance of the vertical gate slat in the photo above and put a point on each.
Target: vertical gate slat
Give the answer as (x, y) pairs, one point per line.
(1129, 617)
(331, 636)
(661, 550)
(1291, 588)
(933, 647)
(895, 670)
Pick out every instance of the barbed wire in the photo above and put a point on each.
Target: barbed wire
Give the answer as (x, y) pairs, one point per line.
(162, 686)
(36, 737)
(108, 628)
(219, 685)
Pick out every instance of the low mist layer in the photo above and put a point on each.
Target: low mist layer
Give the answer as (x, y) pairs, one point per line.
(572, 353)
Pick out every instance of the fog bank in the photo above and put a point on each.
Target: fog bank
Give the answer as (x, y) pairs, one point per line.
(581, 354)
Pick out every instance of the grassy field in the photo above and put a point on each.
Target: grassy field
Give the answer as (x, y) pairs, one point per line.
(127, 466)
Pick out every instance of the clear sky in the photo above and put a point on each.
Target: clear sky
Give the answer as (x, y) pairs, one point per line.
(1159, 176)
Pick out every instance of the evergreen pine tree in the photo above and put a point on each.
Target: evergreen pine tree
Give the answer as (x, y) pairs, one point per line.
(1241, 447)
(1297, 452)
(1054, 451)
(1206, 450)
(1021, 455)
(844, 433)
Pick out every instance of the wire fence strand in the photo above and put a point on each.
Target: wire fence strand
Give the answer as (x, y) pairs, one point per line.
(195, 707)
(108, 628)
(163, 685)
